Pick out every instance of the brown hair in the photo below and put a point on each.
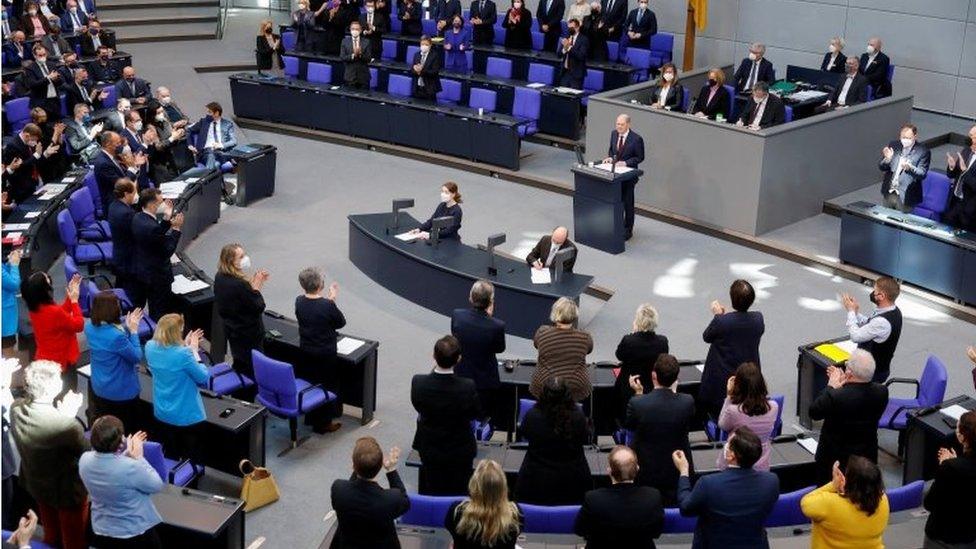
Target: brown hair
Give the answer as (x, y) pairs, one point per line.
(36, 114)
(123, 186)
(623, 464)
(674, 69)
(214, 106)
(889, 286)
(367, 458)
(749, 390)
(266, 23)
(452, 188)
(863, 484)
(967, 428)
(107, 433)
(742, 295)
(718, 74)
(912, 127)
(32, 130)
(169, 330)
(105, 308)
(227, 263)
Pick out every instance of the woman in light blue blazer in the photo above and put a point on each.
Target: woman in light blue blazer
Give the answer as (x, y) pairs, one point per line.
(115, 357)
(11, 310)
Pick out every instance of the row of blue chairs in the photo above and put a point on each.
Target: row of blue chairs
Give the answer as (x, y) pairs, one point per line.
(18, 110)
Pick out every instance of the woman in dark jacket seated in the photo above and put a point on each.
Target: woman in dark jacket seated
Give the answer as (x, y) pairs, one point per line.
(637, 353)
(449, 206)
(269, 49)
(713, 99)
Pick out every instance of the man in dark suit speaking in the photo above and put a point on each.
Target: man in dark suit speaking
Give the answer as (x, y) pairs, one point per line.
(626, 150)
(544, 252)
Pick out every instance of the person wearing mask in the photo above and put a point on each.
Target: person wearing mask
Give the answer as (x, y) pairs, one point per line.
(731, 506)
(319, 318)
(20, 178)
(115, 357)
(637, 353)
(136, 90)
(239, 303)
(950, 524)
(734, 338)
(544, 252)
(851, 91)
(446, 404)
(44, 81)
(574, 50)
(641, 25)
(173, 111)
(120, 483)
(549, 16)
(879, 333)
(555, 470)
(904, 163)
(486, 519)
(53, 167)
(11, 309)
(357, 52)
(269, 49)
(624, 514)
(562, 352)
(850, 407)
(120, 213)
(54, 43)
(449, 206)
(108, 170)
(426, 68)
(481, 336)
(50, 439)
(69, 65)
(103, 69)
(443, 12)
(753, 69)
(56, 326)
(518, 27)
(74, 20)
(668, 93)
(365, 511)
(851, 510)
(303, 21)
(834, 60)
(78, 91)
(136, 144)
(164, 142)
(409, 17)
(626, 151)
(457, 41)
(214, 134)
(154, 242)
(747, 404)
(16, 50)
(483, 14)
(115, 120)
(374, 23)
(961, 212)
(762, 110)
(177, 375)
(874, 64)
(660, 421)
(35, 23)
(95, 38)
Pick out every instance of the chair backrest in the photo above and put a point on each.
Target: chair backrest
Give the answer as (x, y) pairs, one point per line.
(613, 51)
(778, 426)
(429, 27)
(593, 81)
(787, 510)
(389, 49)
(18, 112)
(891, 72)
(527, 103)
(428, 511)
(70, 267)
(906, 497)
(662, 45)
(374, 78)
(319, 72)
(686, 100)
(499, 67)
(638, 57)
(541, 73)
(541, 519)
(153, 452)
(499, 35)
(538, 40)
(96, 195)
(111, 97)
(932, 385)
(64, 105)
(411, 51)
(675, 523)
(481, 98)
(450, 91)
(81, 206)
(789, 113)
(732, 110)
(525, 404)
(870, 92)
(276, 381)
(291, 65)
(398, 85)
(288, 40)
(935, 191)
(67, 231)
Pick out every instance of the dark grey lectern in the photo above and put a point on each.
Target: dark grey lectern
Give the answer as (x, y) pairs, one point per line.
(598, 207)
(255, 172)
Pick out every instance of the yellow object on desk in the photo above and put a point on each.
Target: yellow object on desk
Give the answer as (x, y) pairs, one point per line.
(833, 352)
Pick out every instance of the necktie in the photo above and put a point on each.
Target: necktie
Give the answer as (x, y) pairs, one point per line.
(216, 135)
(132, 88)
(355, 43)
(55, 47)
(752, 75)
(609, 6)
(76, 23)
(423, 59)
(620, 145)
(369, 20)
(481, 10)
(640, 15)
(84, 94)
(96, 42)
(548, 6)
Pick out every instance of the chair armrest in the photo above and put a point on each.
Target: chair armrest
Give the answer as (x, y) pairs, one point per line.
(905, 380)
(301, 394)
(900, 409)
(229, 371)
(171, 474)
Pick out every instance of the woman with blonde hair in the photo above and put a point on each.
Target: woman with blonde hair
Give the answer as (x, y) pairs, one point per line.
(269, 48)
(487, 519)
(562, 352)
(713, 99)
(240, 305)
(637, 353)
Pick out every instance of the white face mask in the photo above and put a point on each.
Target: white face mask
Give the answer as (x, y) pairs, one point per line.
(517, 5)
(668, 76)
(137, 126)
(354, 33)
(832, 48)
(424, 49)
(32, 13)
(73, 10)
(165, 100)
(244, 263)
(370, 10)
(445, 197)
(870, 49)
(752, 56)
(160, 117)
(643, 5)
(906, 143)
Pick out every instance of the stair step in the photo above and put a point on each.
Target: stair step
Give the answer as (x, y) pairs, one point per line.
(112, 6)
(114, 23)
(161, 33)
(166, 38)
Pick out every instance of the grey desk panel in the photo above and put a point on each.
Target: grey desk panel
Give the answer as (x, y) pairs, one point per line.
(931, 264)
(869, 244)
(968, 276)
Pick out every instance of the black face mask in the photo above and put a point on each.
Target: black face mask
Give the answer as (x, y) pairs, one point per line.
(120, 149)
(712, 82)
(874, 298)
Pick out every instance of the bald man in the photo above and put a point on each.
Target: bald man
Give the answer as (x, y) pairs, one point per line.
(625, 514)
(874, 65)
(961, 168)
(544, 252)
(627, 150)
(134, 89)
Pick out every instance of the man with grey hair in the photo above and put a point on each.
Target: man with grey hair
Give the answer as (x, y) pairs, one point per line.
(763, 109)
(755, 68)
(481, 336)
(850, 407)
(173, 112)
(318, 319)
(544, 252)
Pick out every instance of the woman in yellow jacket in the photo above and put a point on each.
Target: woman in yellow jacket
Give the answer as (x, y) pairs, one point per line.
(852, 511)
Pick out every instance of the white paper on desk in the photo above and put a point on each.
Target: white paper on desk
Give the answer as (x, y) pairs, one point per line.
(190, 180)
(48, 196)
(847, 346)
(809, 444)
(183, 285)
(541, 276)
(15, 227)
(564, 89)
(56, 188)
(609, 167)
(348, 345)
(32, 215)
(15, 236)
(535, 85)
(407, 237)
(701, 367)
(69, 179)
(955, 411)
(174, 259)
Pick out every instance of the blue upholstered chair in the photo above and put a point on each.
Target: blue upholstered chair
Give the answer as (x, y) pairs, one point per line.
(498, 67)
(640, 59)
(538, 40)
(319, 72)
(541, 519)
(870, 92)
(111, 97)
(88, 289)
(288, 40)
(539, 72)
(428, 511)
(482, 99)
(789, 113)
(613, 51)
(398, 85)
(92, 185)
(374, 78)
(450, 93)
(18, 113)
(225, 380)
(411, 51)
(733, 110)
(593, 82)
(389, 50)
(83, 253)
(929, 390)
(891, 73)
(662, 49)
(429, 27)
(499, 34)
(675, 523)
(291, 65)
(935, 196)
(177, 473)
(906, 497)
(82, 210)
(787, 510)
(686, 99)
(527, 106)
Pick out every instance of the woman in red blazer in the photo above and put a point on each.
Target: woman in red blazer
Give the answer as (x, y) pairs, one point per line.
(55, 326)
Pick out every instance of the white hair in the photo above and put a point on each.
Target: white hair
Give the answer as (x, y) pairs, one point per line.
(861, 365)
(645, 320)
(564, 311)
(758, 46)
(43, 380)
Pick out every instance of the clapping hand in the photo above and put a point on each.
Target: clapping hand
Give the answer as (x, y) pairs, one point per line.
(391, 459)
(888, 152)
(837, 478)
(971, 353)
(717, 308)
(946, 453)
(730, 386)
(680, 462)
(74, 288)
(849, 303)
(635, 384)
(835, 377)
(951, 161)
(176, 221)
(51, 149)
(193, 338)
(70, 404)
(132, 320)
(333, 291)
(25, 530)
(15, 163)
(133, 445)
(260, 277)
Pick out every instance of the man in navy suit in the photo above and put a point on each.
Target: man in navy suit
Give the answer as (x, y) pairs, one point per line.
(426, 70)
(483, 15)
(734, 337)
(755, 68)
(154, 242)
(16, 50)
(108, 170)
(74, 20)
(731, 506)
(614, 14)
(136, 90)
(641, 25)
(44, 81)
(120, 213)
(549, 15)
(874, 65)
(481, 335)
(627, 150)
(214, 135)
(443, 12)
(905, 163)
(574, 50)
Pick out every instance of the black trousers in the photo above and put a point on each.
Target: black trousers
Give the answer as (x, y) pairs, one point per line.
(134, 290)
(160, 299)
(146, 540)
(126, 410)
(628, 191)
(445, 479)
(551, 38)
(182, 442)
(326, 372)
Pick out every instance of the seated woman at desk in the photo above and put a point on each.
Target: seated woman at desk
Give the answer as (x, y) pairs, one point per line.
(713, 99)
(450, 206)
(318, 319)
(115, 357)
(833, 60)
(457, 42)
(240, 304)
(518, 27)
(668, 93)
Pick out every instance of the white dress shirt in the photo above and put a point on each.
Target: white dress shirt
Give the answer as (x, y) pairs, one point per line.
(863, 329)
(842, 97)
(664, 94)
(553, 248)
(758, 114)
(213, 135)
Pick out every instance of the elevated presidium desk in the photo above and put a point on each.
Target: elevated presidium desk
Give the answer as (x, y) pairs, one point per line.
(439, 278)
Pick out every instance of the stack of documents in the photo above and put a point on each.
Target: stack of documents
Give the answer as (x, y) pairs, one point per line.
(173, 189)
(348, 345)
(809, 444)
(609, 167)
(837, 352)
(564, 89)
(408, 237)
(955, 411)
(541, 276)
(183, 285)
(807, 94)
(535, 85)
(7, 227)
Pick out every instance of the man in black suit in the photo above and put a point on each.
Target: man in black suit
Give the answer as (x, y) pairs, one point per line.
(104, 69)
(483, 15)
(107, 169)
(443, 11)
(626, 150)
(446, 404)
(755, 68)
(850, 91)
(11, 24)
(614, 15)
(574, 50)
(641, 25)
(905, 163)
(356, 51)
(874, 65)
(364, 510)
(136, 90)
(426, 69)
(55, 44)
(20, 181)
(154, 242)
(549, 15)
(734, 338)
(763, 110)
(16, 50)
(544, 252)
(962, 203)
(850, 408)
(374, 24)
(625, 514)
(79, 90)
(660, 421)
(120, 213)
(481, 336)
(94, 39)
(44, 81)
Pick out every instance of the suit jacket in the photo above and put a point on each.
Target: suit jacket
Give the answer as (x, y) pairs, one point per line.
(576, 59)
(15, 57)
(480, 336)
(381, 26)
(357, 66)
(28, 26)
(107, 172)
(74, 95)
(773, 115)
(850, 422)
(622, 515)
(429, 73)
(38, 83)
(241, 307)
(120, 217)
(857, 93)
(950, 518)
(962, 211)
(646, 26)
(877, 73)
(81, 144)
(202, 128)
(731, 507)
(660, 421)
(154, 243)
(518, 35)
(68, 24)
(110, 72)
(734, 339)
(614, 18)
(910, 179)
(637, 353)
(22, 183)
(125, 89)
(445, 404)
(765, 73)
(365, 512)
(485, 32)
(63, 47)
(543, 247)
(633, 150)
(674, 99)
(114, 121)
(88, 48)
(553, 17)
(838, 67)
(264, 53)
(411, 26)
(445, 10)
